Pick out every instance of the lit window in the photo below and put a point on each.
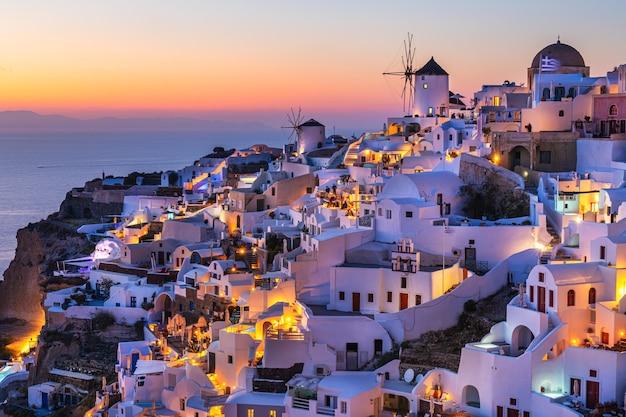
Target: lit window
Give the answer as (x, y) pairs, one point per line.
(425, 86)
(250, 412)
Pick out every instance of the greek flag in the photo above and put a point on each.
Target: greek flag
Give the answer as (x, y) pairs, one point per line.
(549, 64)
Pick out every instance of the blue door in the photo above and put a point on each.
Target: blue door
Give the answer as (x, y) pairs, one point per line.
(44, 400)
(133, 361)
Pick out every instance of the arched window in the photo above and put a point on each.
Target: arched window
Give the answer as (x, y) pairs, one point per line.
(571, 298)
(571, 92)
(613, 110)
(592, 295)
(195, 258)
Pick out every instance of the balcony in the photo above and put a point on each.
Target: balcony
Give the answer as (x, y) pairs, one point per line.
(280, 334)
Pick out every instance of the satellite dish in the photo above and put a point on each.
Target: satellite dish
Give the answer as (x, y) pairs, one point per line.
(408, 375)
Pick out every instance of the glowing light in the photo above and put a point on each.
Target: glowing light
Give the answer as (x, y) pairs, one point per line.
(579, 219)
(539, 246)
(574, 342)
(496, 159)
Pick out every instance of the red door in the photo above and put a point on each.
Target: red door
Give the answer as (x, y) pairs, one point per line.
(541, 299)
(356, 301)
(404, 301)
(593, 394)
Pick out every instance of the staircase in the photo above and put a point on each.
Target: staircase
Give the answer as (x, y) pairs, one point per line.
(547, 250)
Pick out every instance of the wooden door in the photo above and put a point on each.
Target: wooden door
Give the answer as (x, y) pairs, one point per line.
(356, 301)
(593, 394)
(404, 301)
(541, 299)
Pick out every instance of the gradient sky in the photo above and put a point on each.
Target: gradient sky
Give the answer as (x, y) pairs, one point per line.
(255, 59)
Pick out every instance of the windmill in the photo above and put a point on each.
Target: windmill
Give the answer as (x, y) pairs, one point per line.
(408, 74)
(294, 121)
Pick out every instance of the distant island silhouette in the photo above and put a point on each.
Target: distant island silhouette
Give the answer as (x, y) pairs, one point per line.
(24, 119)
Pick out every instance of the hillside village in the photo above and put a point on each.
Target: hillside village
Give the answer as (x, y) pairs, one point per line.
(288, 282)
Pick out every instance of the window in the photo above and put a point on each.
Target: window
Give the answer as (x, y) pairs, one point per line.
(272, 413)
(542, 277)
(388, 214)
(551, 298)
(389, 296)
(343, 407)
(250, 412)
(496, 100)
(430, 111)
(182, 404)
(192, 306)
(370, 298)
(603, 253)
(592, 295)
(593, 373)
(571, 298)
(230, 358)
(512, 401)
(309, 190)
(418, 299)
(342, 295)
(425, 86)
(545, 157)
(409, 214)
(380, 212)
(613, 110)
(403, 282)
(471, 242)
(273, 191)
(531, 294)
(561, 113)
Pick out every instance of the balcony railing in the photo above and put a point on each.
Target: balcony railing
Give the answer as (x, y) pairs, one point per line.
(300, 403)
(280, 334)
(325, 411)
(473, 265)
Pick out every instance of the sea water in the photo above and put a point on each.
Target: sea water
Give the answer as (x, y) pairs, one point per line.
(38, 167)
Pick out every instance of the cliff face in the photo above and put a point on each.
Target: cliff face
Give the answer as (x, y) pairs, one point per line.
(39, 247)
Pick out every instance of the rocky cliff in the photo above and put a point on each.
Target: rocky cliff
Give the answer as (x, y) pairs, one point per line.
(39, 247)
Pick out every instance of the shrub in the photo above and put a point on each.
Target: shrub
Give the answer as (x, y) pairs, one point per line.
(469, 306)
(103, 320)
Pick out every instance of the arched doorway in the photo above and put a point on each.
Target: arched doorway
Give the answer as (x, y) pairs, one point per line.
(162, 310)
(520, 340)
(519, 156)
(471, 397)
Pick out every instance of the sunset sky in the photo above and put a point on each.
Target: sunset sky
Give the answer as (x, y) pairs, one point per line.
(255, 60)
